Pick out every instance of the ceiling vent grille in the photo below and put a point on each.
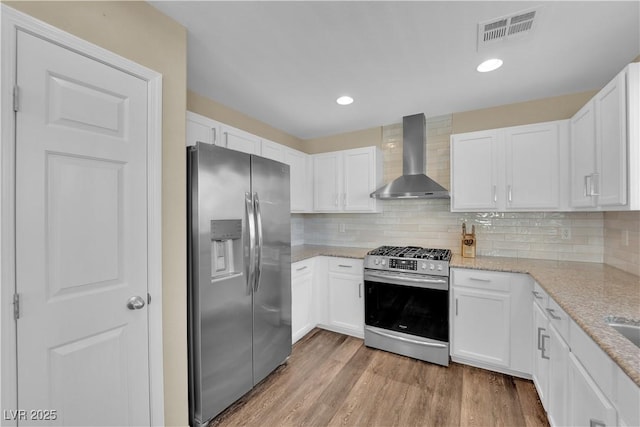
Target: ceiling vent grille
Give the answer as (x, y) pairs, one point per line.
(507, 27)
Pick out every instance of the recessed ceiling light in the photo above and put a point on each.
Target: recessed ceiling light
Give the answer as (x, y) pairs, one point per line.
(490, 65)
(344, 100)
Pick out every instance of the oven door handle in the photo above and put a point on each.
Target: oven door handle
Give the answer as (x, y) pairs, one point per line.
(407, 281)
(409, 340)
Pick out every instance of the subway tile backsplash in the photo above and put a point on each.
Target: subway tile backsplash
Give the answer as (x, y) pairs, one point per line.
(429, 223)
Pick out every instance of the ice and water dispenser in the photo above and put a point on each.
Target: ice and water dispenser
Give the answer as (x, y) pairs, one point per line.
(226, 248)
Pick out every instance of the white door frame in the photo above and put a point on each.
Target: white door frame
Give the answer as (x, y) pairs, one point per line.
(12, 22)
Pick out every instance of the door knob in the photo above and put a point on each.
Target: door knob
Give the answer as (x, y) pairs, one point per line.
(135, 303)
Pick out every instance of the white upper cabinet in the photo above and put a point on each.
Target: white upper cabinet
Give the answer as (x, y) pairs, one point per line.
(301, 167)
(605, 147)
(532, 166)
(343, 180)
(204, 129)
(509, 169)
(201, 129)
(474, 171)
(239, 140)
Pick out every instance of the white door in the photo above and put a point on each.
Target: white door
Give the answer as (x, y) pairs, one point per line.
(541, 357)
(239, 140)
(327, 176)
(474, 171)
(611, 137)
(81, 238)
(359, 179)
(346, 306)
(481, 326)
(583, 152)
(532, 167)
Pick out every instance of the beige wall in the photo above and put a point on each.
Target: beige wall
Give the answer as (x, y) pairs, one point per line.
(212, 109)
(522, 113)
(343, 141)
(139, 32)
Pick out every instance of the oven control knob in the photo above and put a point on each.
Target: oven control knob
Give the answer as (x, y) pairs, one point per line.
(376, 261)
(424, 265)
(383, 262)
(431, 266)
(439, 268)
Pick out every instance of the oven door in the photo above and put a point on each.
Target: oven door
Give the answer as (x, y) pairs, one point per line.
(408, 303)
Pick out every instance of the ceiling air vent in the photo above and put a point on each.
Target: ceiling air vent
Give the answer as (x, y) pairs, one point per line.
(507, 27)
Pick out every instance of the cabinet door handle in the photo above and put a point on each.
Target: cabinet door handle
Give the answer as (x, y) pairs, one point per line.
(553, 316)
(509, 193)
(536, 294)
(456, 306)
(540, 339)
(226, 139)
(479, 280)
(543, 349)
(495, 194)
(596, 423)
(359, 290)
(215, 135)
(595, 179)
(345, 266)
(302, 268)
(586, 186)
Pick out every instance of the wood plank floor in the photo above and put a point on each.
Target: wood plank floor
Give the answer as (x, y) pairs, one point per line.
(334, 380)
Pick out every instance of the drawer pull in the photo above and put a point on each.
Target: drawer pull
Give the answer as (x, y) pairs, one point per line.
(553, 316)
(302, 268)
(536, 294)
(479, 280)
(345, 266)
(543, 349)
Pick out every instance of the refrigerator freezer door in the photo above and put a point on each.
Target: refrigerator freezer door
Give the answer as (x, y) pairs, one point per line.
(220, 299)
(272, 296)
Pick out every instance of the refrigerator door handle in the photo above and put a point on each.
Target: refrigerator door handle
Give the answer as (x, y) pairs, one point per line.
(249, 258)
(258, 261)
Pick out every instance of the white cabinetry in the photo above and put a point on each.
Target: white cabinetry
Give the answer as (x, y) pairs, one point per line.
(345, 296)
(204, 129)
(588, 406)
(491, 320)
(239, 140)
(540, 371)
(605, 146)
(474, 171)
(303, 304)
(509, 169)
(201, 129)
(343, 180)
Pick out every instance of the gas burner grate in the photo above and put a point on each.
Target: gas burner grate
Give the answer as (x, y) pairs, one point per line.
(413, 252)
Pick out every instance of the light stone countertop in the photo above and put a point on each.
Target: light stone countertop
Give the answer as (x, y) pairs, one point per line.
(302, 252)
(588, 292)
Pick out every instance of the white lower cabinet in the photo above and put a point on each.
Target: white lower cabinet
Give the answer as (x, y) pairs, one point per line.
(540, 372)
(491, 320)
(588, 406)
(303, 304)
(345, 301)
(558, 378)
(478, 311)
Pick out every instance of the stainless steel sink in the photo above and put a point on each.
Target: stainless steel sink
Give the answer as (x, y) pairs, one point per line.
(629, 328)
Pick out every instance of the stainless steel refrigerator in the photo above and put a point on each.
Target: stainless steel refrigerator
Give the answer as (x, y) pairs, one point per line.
(239, 283)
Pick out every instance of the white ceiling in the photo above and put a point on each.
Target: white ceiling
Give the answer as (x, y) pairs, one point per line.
(285, 63)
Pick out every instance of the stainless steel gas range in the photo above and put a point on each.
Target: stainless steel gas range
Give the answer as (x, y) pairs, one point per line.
(407, 302)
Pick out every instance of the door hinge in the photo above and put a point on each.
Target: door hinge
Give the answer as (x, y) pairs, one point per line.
(16, 306)
(148, 299)
(16, 98)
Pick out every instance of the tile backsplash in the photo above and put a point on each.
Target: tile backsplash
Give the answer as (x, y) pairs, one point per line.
(429, 223)
(622, 240)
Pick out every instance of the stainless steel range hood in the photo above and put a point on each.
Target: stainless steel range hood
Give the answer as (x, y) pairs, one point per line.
(413, 184)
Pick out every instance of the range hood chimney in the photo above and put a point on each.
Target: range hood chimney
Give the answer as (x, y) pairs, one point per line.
(413, 184)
